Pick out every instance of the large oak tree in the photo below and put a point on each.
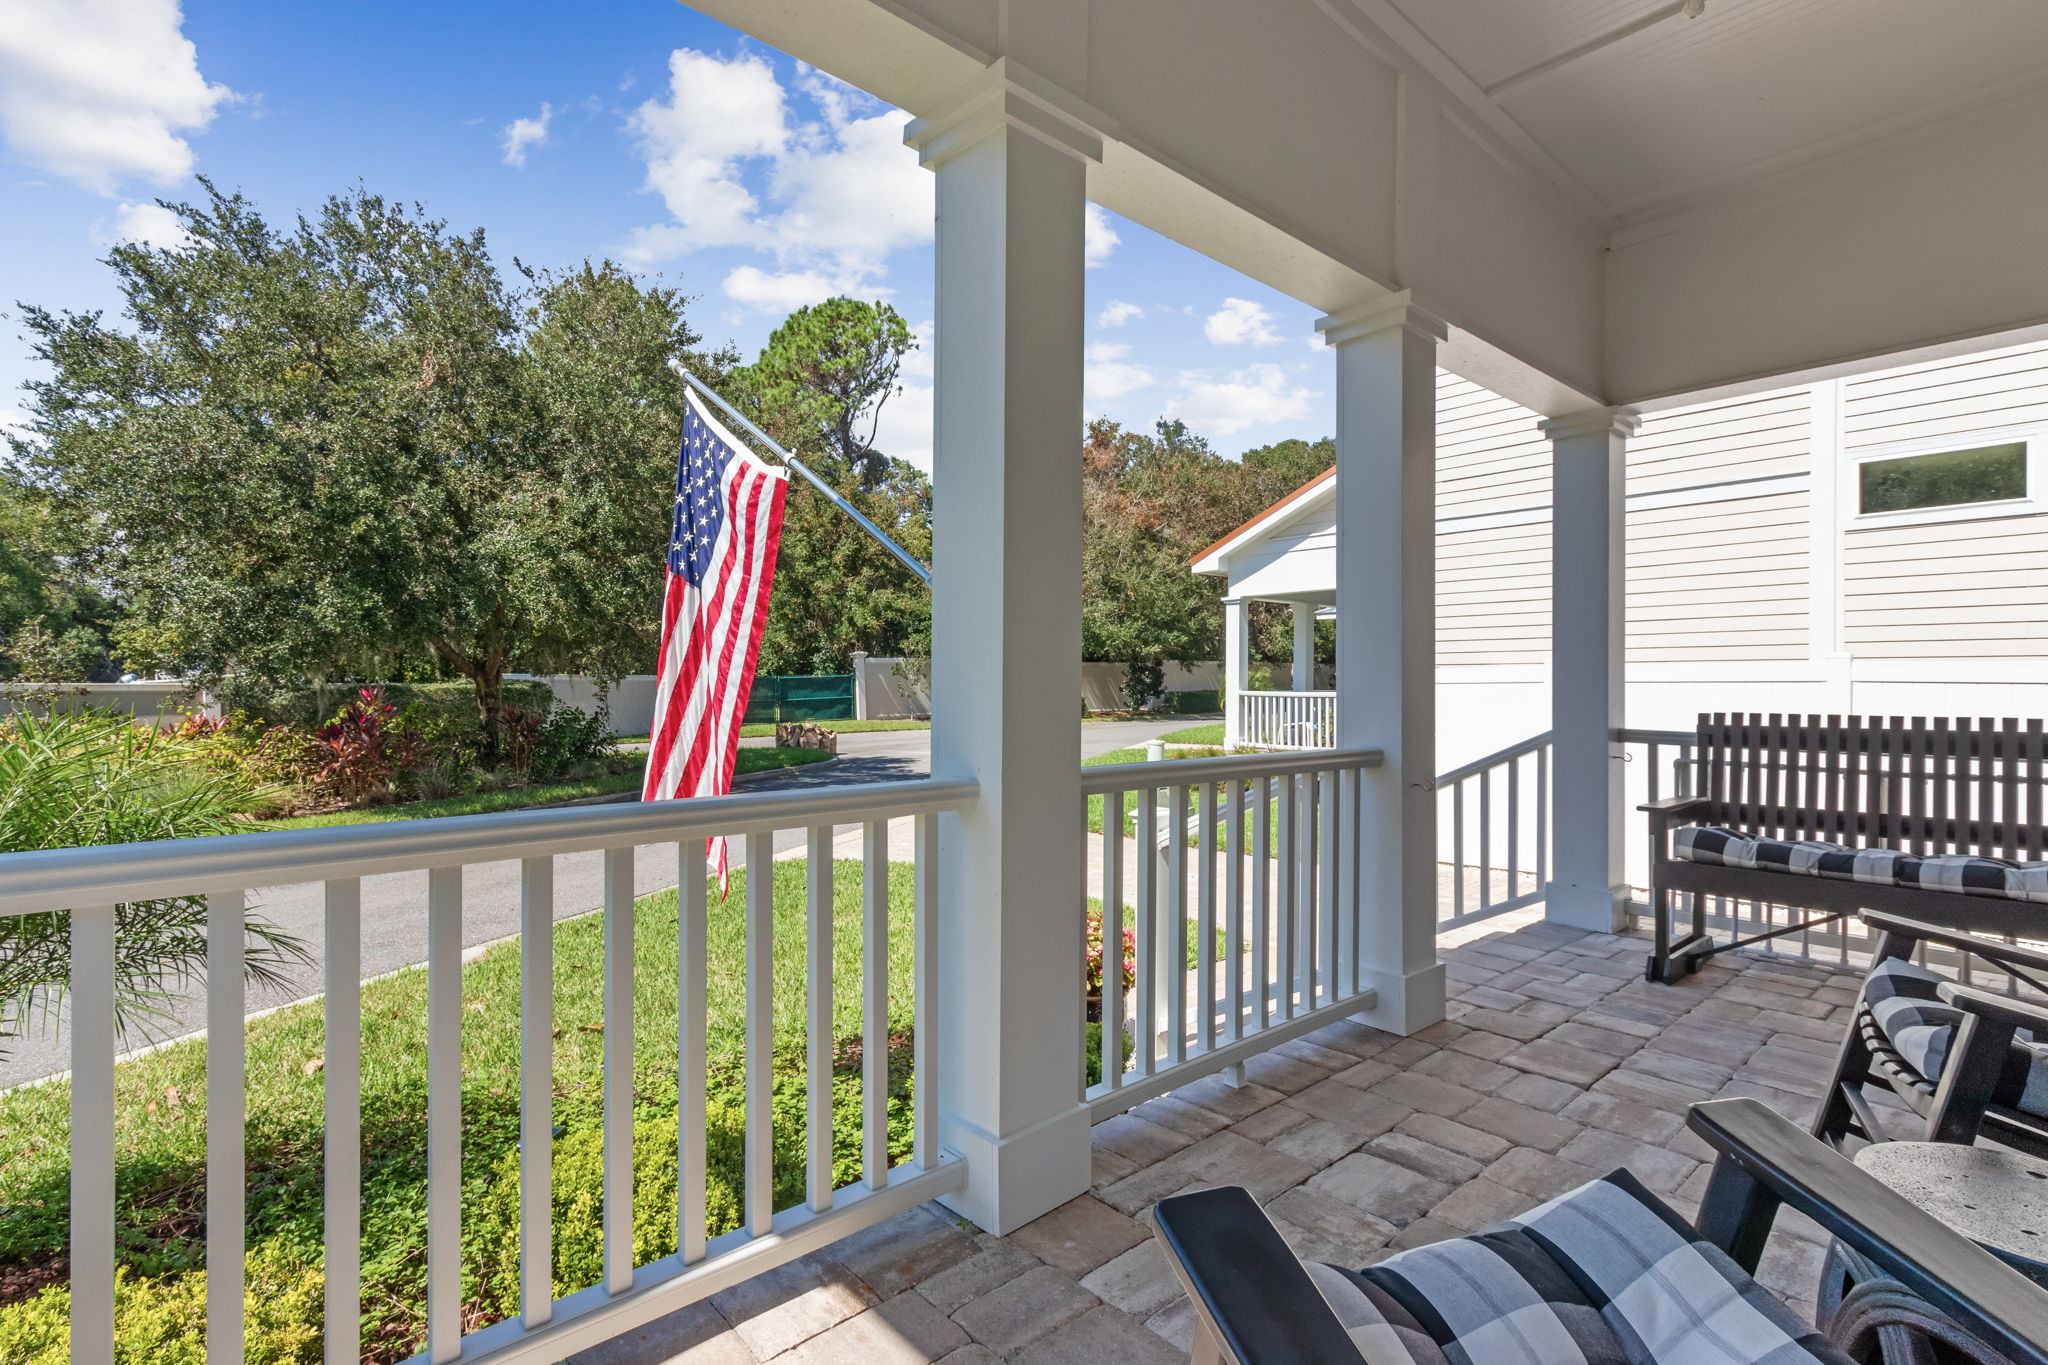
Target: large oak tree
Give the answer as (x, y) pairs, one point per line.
(347, 446)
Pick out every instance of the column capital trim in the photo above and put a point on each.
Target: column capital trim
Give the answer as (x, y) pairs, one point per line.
(1621, 422)
(1006, 94)
(1363, 320)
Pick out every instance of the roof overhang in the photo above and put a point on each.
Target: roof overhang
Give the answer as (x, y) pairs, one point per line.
(1287, 510)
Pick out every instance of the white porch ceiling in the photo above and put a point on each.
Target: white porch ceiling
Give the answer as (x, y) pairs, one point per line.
(1645, 110)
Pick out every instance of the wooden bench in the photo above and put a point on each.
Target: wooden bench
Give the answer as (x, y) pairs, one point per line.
(1922, 788)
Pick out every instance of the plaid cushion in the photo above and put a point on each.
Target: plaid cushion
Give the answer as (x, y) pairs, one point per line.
(1906, 1002)
(1604, 1275)
(1969, 876)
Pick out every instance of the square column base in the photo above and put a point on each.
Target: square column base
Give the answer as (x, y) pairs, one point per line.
(1600, 909)
(1406, 1004)
(1012, 1180)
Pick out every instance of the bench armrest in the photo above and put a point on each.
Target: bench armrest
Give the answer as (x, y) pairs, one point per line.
(1673, 807)
(1251, 1294)
(2017, 954)
(1765, 1161)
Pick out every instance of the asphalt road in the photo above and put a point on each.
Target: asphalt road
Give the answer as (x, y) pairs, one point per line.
(394, 906)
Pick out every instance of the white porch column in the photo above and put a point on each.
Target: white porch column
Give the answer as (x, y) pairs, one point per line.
(1386, 639)
(1006, 634)
(1237, 667)
(1588, 586)
(1304, 647)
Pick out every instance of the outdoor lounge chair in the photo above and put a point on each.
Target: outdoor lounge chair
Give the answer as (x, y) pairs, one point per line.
(1608, 1273)
(1965, 1060)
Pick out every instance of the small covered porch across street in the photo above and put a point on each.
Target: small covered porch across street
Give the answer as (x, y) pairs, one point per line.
(1088, 988)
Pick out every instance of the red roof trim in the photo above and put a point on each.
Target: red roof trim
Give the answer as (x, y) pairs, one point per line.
(1293, 497)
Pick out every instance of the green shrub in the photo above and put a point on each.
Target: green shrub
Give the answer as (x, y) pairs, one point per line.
(92, 777)
(162, 1321)
(1196, 703)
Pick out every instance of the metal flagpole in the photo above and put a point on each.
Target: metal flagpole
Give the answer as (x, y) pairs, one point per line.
(910, 562)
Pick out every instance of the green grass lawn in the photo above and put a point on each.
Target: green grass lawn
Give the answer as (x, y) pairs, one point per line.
(1211, 735)
(161, 1123)
(523, 798)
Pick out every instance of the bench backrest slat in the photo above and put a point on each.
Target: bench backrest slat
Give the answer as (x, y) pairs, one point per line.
(1925, 785)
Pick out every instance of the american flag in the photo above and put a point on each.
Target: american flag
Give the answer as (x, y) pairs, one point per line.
(721, 560)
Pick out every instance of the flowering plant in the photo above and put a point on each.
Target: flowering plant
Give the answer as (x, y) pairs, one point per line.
(363, 749)
(1130, 955)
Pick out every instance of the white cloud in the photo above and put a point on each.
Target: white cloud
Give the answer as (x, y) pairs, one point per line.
(1117, 313)
(1108, 375)
(1315, 342)
(1240, 322)
(98, 91)
(920, 363)
(152, 225)
(522, 133)
(1098, 237)
(779, 291)
(1253, 396)
(14, 421)
(905, 429)
(828, 198)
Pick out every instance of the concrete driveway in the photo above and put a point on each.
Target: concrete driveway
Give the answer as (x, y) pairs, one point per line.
(394, 906)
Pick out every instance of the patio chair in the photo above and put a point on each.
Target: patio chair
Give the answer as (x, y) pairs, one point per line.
(1609, 1274)
(1966, 1061)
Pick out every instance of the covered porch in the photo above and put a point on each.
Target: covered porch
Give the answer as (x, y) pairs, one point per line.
(1383, 1051)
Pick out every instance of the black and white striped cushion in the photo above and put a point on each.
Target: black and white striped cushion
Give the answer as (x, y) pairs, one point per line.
(1966, 875)
(1905, 1001)
(1604, 1275)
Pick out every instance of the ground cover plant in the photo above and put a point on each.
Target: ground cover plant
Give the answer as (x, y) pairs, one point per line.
(160, 1137)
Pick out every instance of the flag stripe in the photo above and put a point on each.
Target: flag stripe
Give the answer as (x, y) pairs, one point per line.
(721, 566)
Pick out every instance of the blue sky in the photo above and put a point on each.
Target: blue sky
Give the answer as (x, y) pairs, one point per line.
(637, 129)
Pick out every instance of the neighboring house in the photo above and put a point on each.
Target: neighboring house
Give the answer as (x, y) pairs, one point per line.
(1877, 544)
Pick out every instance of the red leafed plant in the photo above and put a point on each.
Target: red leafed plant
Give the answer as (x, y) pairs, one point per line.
(363, 750)
(1130, 955)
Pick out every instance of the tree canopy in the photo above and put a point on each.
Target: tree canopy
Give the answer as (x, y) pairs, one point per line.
(349, 447)
(818, 389)
(823, 378)
(1150, 504)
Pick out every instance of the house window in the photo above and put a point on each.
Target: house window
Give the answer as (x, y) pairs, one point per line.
(1945, 478)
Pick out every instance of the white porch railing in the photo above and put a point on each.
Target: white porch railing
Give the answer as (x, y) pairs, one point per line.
(1493, 820)
(1287, 720)
(90, 882)
(1257, 858)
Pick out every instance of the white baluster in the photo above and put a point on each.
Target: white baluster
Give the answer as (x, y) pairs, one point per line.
(92, 1135)
(444, 1114)
(342, 1120)
(226, 1166)
(618, 1069)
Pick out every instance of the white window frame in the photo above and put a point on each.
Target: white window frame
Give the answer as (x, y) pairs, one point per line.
(2034, 438)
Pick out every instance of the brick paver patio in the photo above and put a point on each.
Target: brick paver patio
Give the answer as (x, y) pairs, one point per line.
(1558, 1063)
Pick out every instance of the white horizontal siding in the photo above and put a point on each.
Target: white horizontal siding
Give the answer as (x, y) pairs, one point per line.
(1974, 589)
(1743, 438)
(1490, 454)
(1954, 397)
(1724, 582)
(1493, 596)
